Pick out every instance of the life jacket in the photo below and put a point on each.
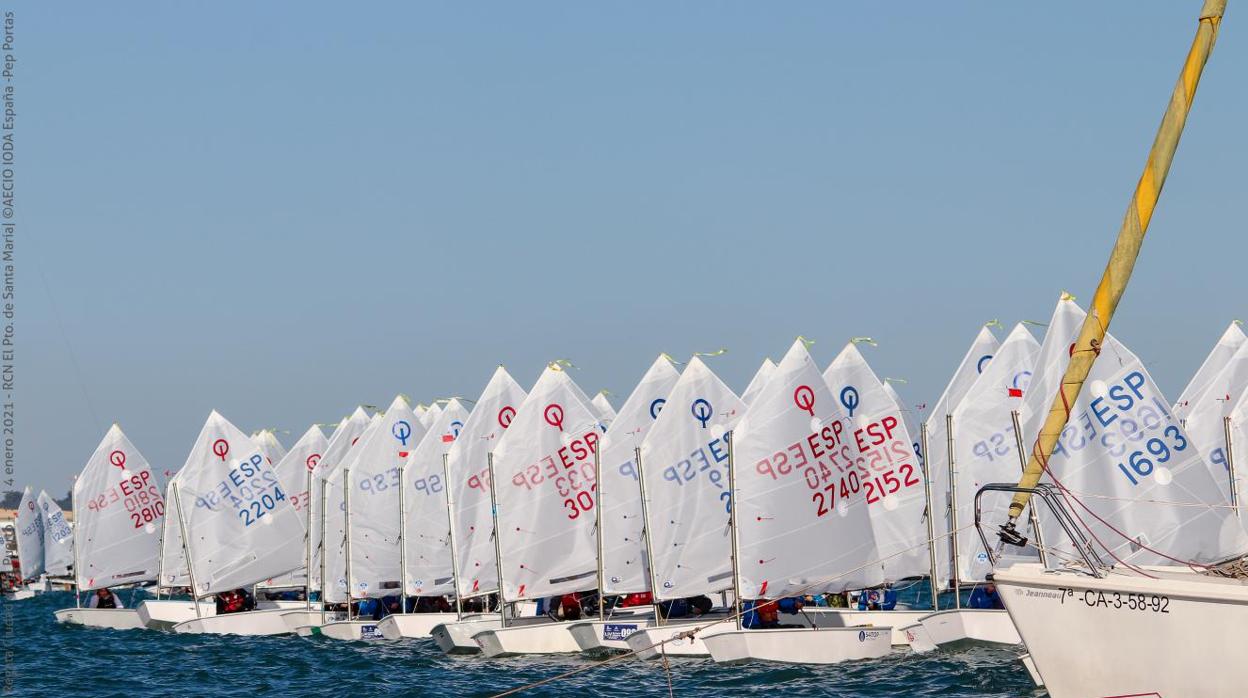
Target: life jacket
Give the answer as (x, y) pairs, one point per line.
(233, 602)
(109, 601)
(768, 613)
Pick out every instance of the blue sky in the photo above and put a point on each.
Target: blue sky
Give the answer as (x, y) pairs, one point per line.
(281, 210)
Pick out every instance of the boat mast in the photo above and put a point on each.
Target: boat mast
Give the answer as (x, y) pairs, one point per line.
(186, 549)
(732, 525)
(402, 541)
(324, 523)
(645, 534)
(346, 530)
(953, 514)
(498, 545)
(450, 533)
(931, 524)
(73, 508)
(1230, 465)
(602, 615)
(1034, 518)
(307, 556)
(1121, 260)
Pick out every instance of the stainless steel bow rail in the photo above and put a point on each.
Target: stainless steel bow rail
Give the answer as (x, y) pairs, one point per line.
(1010, 535)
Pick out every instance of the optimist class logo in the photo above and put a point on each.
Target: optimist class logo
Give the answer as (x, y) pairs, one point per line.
(554, 415)
(118, 459)
(804, 398)
(401, 430)
(505, 416)
(220, 447)
(849, 399)
(312, 461)
(702, 411)
(656, 407)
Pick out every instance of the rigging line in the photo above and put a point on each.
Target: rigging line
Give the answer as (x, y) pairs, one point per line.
(667, 669)
(60, 325)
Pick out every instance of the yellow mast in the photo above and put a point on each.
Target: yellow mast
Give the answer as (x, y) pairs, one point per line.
(1122, 259)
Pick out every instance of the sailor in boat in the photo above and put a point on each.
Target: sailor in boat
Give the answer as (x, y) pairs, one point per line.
(570, 606)
(105, 598)
(984, 597)
(877, 600)
(762, 614)
(235, 601)
(431, 604)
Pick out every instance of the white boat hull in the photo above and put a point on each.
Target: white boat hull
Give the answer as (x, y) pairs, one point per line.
(163, 614)
(847, 618)
(657, 640)
(537, 638)
(1177, 634)
(611, 634)
(799, 645)
(115, 618)
(456, 638)
(20, 594)
(955, 626)
(266, 622)
(305, 618)
(646, 640)
(397, 626)
(346, 630)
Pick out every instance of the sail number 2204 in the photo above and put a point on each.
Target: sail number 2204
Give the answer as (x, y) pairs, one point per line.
(1116, 600)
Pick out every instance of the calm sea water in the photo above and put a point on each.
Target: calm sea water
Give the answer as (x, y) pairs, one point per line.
(48, 659)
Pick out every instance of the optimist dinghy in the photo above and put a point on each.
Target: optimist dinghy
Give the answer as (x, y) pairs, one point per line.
(119, 512)
(238, 527)
(471, 529)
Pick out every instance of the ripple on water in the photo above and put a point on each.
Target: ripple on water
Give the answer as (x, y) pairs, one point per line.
(66, 661)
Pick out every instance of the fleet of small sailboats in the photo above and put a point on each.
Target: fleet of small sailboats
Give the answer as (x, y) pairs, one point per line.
(689, 520)
(545, 522)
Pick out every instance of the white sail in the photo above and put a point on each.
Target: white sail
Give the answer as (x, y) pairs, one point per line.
(373, 509)
(431, 415)
(758, 381)
(58, 538)
(294, 472)
(173, 571)
(266, 441)
(984, 445)
(1230, 342)
(909, 416)
(333, 542)
(422, 412)
(892, 481)
(426, 524)
(29, 525)
(241, 526)
(1127, 463)
(544, 488)
(684, 460)
(623, 550)
(936, 463)
(344, 438)
(1206, 412)
(119, 512)
(602, 406)
(468, 464)
(797, 481)
(1046, 375)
